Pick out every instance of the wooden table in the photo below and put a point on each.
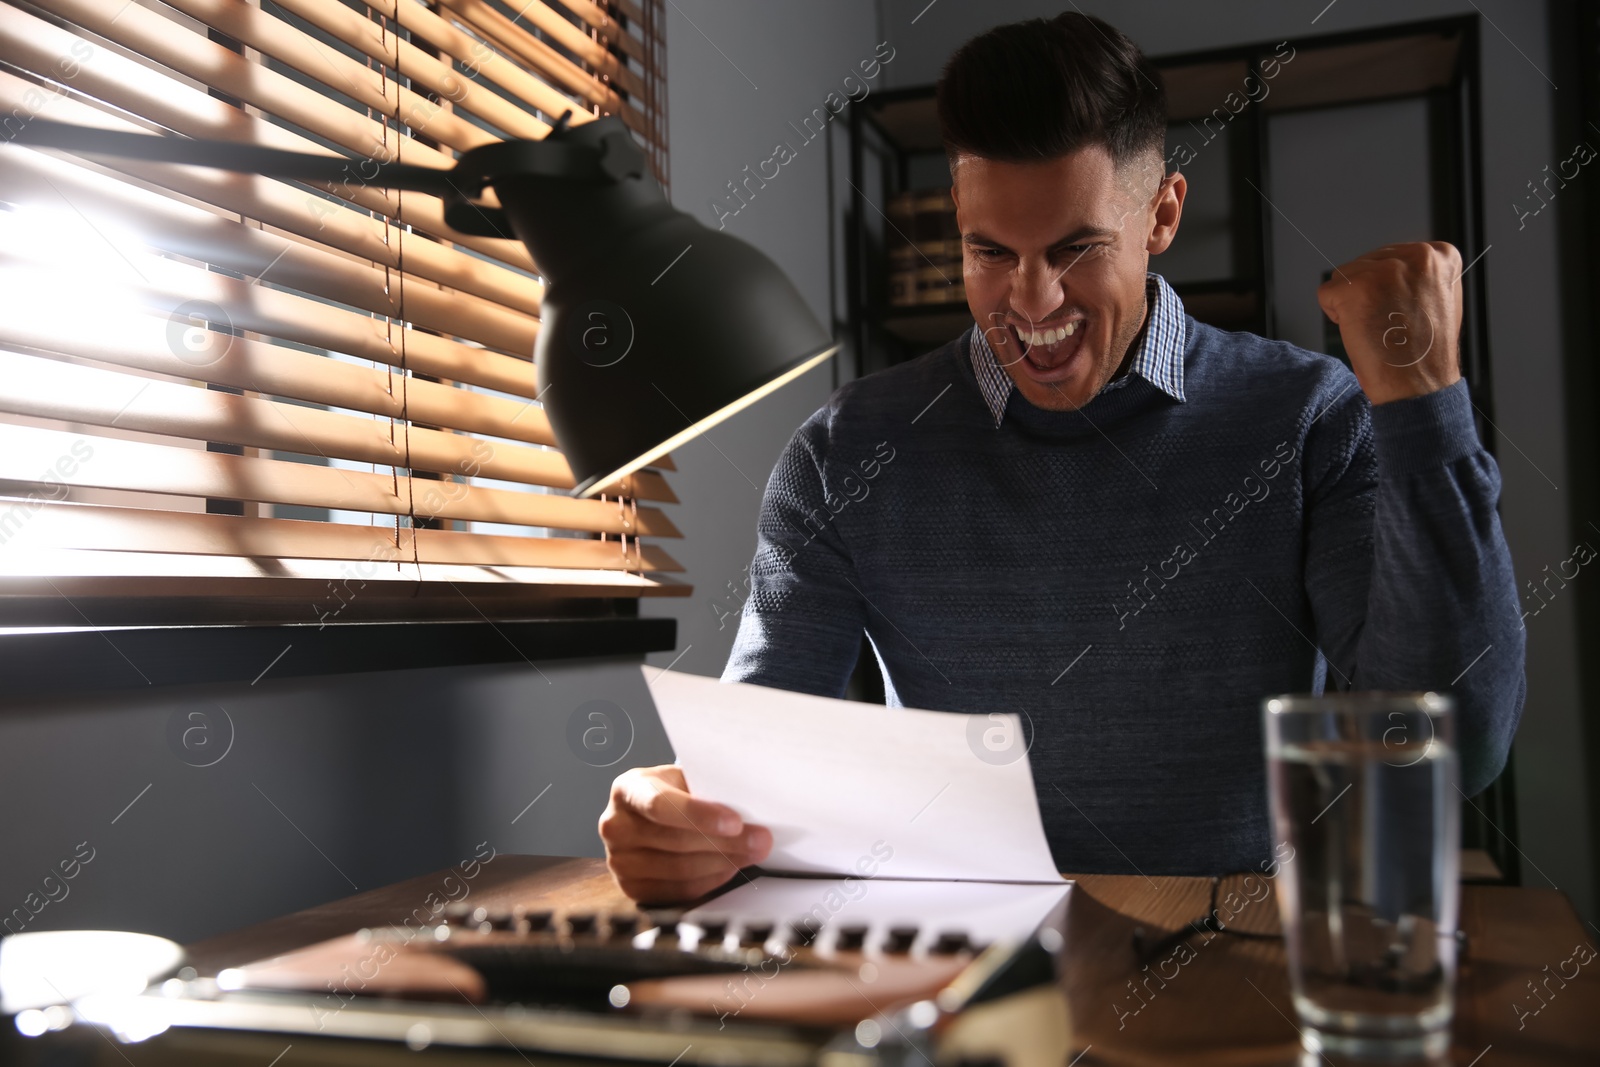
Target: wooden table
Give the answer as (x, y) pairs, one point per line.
(1229, 1005)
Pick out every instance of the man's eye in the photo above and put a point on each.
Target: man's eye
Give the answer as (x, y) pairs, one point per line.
(988, 253)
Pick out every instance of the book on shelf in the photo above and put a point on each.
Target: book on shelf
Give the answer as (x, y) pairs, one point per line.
(924, 250)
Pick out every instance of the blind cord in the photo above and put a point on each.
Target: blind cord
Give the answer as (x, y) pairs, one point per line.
(400, 310)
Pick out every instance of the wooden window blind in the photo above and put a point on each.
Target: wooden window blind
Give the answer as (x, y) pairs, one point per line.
(226, 397)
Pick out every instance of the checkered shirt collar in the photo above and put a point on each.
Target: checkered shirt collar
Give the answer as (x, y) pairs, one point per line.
(1158, 361)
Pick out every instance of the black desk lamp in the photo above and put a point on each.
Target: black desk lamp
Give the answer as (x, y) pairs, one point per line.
(653, 326)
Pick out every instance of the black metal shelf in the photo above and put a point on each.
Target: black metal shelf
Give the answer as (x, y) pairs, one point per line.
(927, 324)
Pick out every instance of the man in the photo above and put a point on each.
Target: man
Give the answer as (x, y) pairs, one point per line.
(1124, 524)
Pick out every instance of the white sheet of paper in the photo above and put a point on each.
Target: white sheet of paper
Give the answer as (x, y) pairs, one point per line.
(985, 911)
(856, 789)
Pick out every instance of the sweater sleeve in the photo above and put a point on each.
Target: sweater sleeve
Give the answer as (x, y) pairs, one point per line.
(1407, 570)
(802, 623)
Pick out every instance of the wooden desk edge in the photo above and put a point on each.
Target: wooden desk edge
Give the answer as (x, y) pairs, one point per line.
(503, 881)
(1512, 931)
(566, 881)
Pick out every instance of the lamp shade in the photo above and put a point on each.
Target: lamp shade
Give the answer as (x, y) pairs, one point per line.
(653, 326)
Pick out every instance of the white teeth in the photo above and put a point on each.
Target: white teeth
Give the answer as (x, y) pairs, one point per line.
(1048, 337)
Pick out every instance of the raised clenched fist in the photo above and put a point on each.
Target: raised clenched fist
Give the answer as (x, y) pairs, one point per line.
(1398, 310)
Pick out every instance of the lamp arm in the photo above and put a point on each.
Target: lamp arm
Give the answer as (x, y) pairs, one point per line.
(229, 155)
(616, 158)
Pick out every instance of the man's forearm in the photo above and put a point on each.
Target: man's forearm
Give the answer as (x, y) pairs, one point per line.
(1442, 608)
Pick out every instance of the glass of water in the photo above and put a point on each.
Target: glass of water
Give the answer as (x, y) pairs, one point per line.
(1363, 788)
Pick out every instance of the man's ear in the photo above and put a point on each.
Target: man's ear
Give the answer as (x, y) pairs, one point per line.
(1166, 211)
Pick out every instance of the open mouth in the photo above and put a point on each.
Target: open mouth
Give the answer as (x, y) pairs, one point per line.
(1050, 350)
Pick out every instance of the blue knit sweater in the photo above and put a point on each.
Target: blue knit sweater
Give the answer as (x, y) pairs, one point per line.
(1136, 576)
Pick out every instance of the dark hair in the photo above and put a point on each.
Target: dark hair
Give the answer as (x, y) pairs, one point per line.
(1043, 88)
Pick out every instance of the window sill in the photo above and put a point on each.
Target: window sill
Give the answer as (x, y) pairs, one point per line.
(56, 661)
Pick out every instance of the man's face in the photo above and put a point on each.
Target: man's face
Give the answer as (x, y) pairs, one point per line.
(1060, 245)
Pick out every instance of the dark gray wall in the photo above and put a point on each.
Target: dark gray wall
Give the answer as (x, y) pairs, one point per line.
(1525, 336)
(313, 788)
(1324, 157)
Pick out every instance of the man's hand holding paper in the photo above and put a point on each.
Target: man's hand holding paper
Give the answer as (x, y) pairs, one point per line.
(809, 785)
(664, 844)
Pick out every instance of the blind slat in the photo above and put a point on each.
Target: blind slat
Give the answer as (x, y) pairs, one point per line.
(288, 261)
(166, 42)
(286, 206)
(70, 573)
(151, 343)
(630, 10)
(48, 524)
(46, 388)
(173, 286)
(367, 37)
(549, 22)
(27, 454)
(495, 27)
(145, 343)
(375, 89)
(609, 29)
(106, 76)
(476, 56)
